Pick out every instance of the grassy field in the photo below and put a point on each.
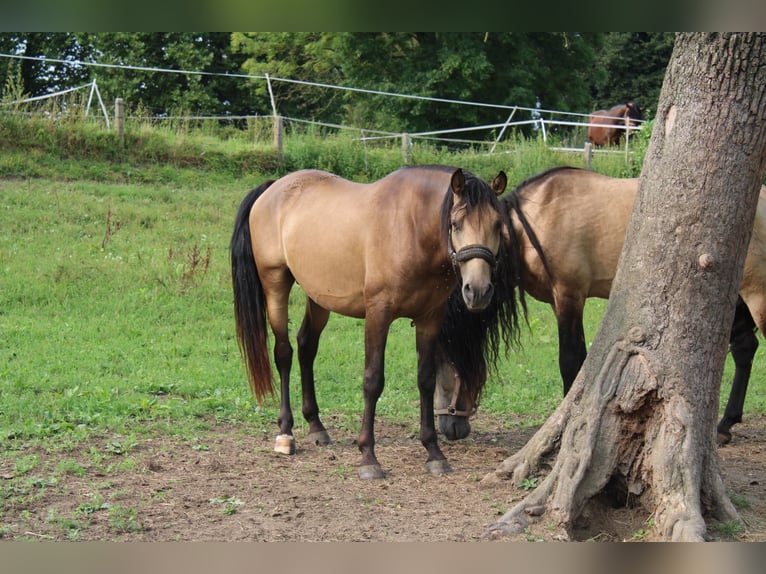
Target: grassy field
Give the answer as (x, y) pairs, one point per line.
(116, 308)
(116, 319)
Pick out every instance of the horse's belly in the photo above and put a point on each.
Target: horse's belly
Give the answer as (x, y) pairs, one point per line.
(335, 289)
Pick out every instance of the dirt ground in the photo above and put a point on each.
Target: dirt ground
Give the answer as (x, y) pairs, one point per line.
(235, 488)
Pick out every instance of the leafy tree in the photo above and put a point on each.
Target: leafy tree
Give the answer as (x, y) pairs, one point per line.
(167, 93)
(302, 56)
(38, 77)
(631, 67)
(507, 68)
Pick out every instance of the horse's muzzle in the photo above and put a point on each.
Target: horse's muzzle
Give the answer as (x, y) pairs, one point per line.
(454, 427)
(477, 299)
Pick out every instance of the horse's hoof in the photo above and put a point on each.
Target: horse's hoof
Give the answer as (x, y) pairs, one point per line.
(371, 471)
(438, 466)
(321, 438)
(285, 444)
(724, 438)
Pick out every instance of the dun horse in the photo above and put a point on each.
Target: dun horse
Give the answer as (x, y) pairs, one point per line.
(606, 133)
(591, 212)
(393, 248)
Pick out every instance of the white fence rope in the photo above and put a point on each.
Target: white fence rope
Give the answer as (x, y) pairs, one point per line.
(537, 113)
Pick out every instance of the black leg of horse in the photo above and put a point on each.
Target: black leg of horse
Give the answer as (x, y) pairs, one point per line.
(426, 338)
(572, 350)
(743, 344)
(283, 357)
(314, 321)
(375, 336)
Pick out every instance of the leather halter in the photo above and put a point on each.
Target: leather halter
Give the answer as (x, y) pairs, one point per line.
(452, 408)
(472, 252)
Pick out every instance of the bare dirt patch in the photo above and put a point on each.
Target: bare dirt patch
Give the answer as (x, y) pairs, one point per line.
(232, 487)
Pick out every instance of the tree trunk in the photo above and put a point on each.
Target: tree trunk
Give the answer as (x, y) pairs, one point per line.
(638, 426)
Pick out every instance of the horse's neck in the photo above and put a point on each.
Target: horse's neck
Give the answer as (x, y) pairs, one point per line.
(621, 111)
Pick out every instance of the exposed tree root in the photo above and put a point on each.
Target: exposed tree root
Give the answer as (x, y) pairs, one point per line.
(626, 435)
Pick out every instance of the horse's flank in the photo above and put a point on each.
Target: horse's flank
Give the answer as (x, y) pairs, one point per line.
(581, 247)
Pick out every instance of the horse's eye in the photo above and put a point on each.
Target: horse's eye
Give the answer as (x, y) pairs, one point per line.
(456, 226)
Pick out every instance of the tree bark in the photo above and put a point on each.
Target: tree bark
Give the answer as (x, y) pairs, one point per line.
(638, 426)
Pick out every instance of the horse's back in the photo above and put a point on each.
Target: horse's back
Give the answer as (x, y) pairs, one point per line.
(580, 219)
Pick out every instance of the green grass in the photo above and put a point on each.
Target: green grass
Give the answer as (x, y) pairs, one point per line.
(116, 319)
(115, 300)
(129, 332)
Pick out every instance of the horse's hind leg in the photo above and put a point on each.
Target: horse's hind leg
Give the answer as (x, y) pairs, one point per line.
(572, 351)
(314, 321)
(277, 289)
(743, 344)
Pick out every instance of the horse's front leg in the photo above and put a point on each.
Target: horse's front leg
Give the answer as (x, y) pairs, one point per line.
(426, 338)
(375, 335)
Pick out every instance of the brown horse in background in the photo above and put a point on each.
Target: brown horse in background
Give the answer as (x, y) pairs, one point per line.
(393, 248)
(612, 123)
(571, 225)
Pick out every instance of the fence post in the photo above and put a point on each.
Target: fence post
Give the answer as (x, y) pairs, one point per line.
(588, 155)
(406, 148)
(278, 136)
(119, 117)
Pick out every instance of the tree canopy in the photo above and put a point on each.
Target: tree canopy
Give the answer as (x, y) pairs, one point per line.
(566, 71)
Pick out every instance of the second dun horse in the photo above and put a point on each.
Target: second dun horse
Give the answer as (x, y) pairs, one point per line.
(393, 248)
(571, 226)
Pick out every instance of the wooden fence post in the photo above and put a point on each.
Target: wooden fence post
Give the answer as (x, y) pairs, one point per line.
(119, 117)
(406, 149)
(278, 137)
(588, 155)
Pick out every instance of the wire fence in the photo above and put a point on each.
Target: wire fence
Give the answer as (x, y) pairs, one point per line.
(542, 121)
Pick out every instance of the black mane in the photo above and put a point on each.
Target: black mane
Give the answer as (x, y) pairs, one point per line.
(472, 340)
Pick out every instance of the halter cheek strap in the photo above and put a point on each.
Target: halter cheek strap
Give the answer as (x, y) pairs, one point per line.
(452, 408)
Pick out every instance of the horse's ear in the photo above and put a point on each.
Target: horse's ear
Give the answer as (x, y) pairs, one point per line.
(499, 183)
(458, 182)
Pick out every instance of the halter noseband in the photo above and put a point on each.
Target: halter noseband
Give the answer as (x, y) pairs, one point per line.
(473, 251)
(452, 408)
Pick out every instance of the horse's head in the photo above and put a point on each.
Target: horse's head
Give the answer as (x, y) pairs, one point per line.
(476, 231)
(634, 112)
(453, 403)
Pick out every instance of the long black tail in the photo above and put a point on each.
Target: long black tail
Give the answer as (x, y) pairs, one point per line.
(249, 301)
